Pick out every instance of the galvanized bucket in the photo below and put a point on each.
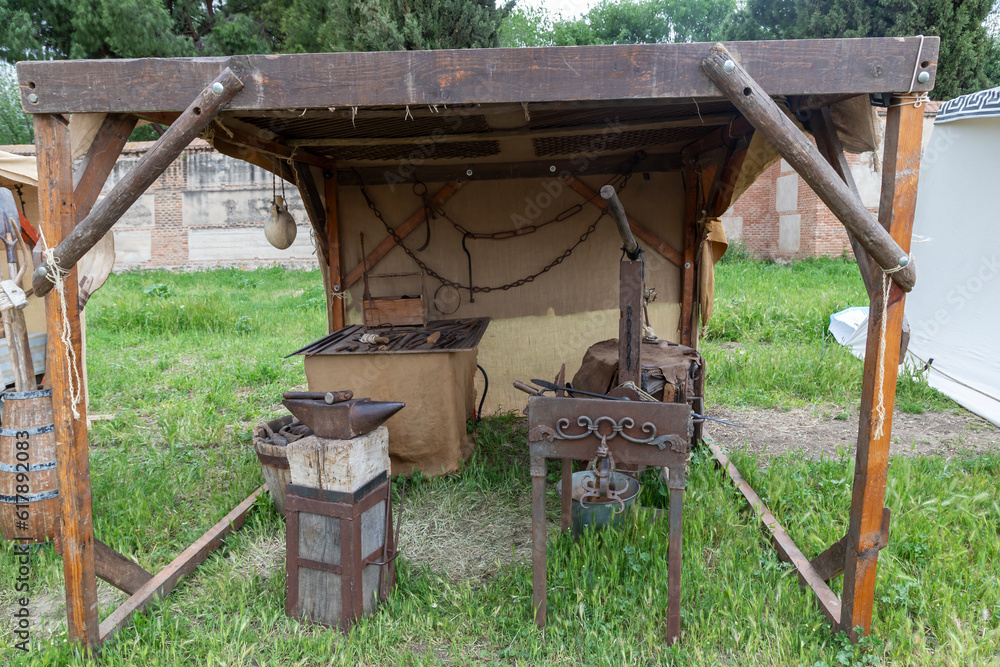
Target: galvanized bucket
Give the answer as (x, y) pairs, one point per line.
(604, 511)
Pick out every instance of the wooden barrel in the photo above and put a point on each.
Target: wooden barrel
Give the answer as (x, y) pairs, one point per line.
(29, 485)
(274, 461)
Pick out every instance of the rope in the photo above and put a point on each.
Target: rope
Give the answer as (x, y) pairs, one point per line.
(55, 275)
(880, 372)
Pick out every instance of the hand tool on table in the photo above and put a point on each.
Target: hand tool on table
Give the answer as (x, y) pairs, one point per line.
(551, 386)
(329, 397)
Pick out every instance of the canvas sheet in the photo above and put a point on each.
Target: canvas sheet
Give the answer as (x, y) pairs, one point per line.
(953, 313)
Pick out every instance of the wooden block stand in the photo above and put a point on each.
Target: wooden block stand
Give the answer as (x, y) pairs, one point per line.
(340, 554)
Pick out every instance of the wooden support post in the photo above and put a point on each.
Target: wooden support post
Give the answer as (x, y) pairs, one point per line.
(793, 145)
(149, 167)
(690, 245)
(63, 370)
(335, 305)
(411, 223)
(828, 143)
(648, 237)
(900, 169)
(99, 160)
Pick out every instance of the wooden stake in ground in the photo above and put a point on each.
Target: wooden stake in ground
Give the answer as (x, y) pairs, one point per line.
(63, 371)
(900, 167)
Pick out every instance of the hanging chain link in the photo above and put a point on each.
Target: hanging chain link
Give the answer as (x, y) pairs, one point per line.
(619, 182)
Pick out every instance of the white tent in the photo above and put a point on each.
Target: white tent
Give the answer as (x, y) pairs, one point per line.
(954, 310)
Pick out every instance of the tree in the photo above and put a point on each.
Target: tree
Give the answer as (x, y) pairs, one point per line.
(16, 127)
(645, 21)
(48, 29)
(527, 26)
(392, 25)
(968, 57)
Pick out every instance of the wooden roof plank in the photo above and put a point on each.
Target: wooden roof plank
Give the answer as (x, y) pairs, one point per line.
(478, 76)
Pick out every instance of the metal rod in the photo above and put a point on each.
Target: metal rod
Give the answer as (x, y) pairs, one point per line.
(630, 247)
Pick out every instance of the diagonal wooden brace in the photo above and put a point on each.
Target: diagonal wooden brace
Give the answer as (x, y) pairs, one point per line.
(150, 166)
(796, 148)
(830, 563)
(411, 223)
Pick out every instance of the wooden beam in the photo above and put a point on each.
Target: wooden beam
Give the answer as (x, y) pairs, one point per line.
(335, 305)
(149, 167)
(830, 563)
(312, 201)
(647, 236)
(691, 213)
(900, 169)
(100, 159)
(396, 173)
(828, 143)
(411, 223)
(167, 579)
(793, 145)
(114, 568)
(276, 166)
(520, 133)
(271, 147)
(63, 370)
(828, 602)
(477, 76)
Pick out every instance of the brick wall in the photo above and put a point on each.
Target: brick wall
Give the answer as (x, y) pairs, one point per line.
(779, 217)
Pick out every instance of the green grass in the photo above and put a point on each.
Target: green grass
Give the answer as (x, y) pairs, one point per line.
(186, 385)
(767, 344)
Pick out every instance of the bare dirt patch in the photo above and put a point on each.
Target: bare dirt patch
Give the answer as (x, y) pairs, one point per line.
(465, 536)
(819, 432)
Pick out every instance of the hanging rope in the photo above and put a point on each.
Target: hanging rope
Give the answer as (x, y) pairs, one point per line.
(880, 371)
(56, 276)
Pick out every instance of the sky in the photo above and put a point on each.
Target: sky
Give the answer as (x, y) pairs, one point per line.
(568, 8)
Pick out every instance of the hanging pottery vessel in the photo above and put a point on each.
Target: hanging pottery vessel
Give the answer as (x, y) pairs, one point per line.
(280, 229)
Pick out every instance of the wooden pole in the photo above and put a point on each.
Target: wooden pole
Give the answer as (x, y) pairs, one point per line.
(56, 210)
(900, 168)
(100, 159)
(828, 143)
(149, 167)
(168, 578)
(335, 305)
(690, 245)
(793, 145)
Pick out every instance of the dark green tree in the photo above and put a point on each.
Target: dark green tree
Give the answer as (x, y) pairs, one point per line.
(391, 25)
(45, 29)
(968, 57)
(632, 22)
(16, 127)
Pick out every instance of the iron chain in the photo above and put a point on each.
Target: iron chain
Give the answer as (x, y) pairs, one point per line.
(567, 213)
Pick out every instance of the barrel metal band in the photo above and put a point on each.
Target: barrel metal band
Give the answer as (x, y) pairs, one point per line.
(32, 467)
(33, 430)
(31, 497)
(18, 395)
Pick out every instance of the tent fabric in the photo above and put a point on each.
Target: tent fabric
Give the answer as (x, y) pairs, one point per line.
(20, 169)
(952, 310)
(984, 104)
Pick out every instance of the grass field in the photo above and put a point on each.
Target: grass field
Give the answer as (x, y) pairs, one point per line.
(189, 363)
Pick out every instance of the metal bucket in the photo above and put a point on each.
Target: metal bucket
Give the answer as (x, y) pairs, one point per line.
(600, 513)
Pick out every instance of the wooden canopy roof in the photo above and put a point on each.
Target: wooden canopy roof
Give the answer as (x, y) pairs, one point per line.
(486, 113)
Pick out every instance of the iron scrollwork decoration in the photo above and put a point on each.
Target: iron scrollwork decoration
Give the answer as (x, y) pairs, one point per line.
(593, 427)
